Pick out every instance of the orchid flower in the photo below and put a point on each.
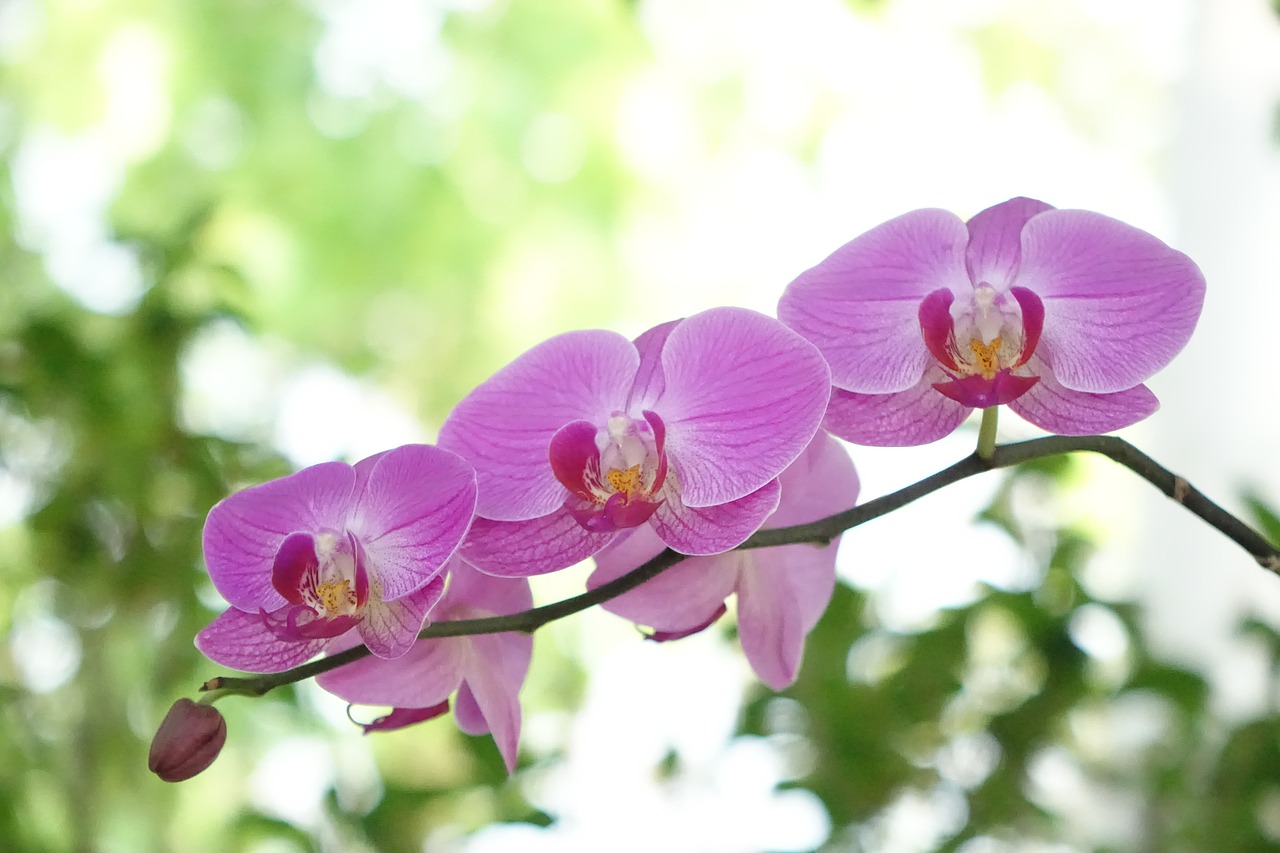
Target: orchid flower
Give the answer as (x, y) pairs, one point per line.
(485, 670)
(782, 591)
(588, 434)
(332, 548)
(1059, 314)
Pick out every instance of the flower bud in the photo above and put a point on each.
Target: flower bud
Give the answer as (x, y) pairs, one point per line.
(188, 740)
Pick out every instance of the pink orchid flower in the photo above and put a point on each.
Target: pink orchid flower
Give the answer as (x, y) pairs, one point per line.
(782, 591)
(331, 549)
(588, 434)
(1059, 314)
(485, 670)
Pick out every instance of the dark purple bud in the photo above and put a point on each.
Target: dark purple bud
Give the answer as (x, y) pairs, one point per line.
(188, 740)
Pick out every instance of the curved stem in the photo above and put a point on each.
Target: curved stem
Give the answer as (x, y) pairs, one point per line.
(819, 532)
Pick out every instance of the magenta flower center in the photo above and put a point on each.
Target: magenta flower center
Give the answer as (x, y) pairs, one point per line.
(323, 576)
(614, 473)
(980, 341)
(629, 458)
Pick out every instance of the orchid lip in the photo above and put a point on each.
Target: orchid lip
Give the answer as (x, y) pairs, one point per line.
(980, 342)
(300, 623)
(324, 579)
(614, 474)
(980, 393)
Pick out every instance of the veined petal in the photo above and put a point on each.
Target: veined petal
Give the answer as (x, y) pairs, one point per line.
(413, 512)
(1119, 304)
(783, 591)
(995, 241)
(474, 593)
(521, 549)
(781, 595)
(916, 416)
(713, 529)
(423, 677)
(1060, 410)
(504, 426)
(744, 394)
(389, 628)
(295, 559)
(496, 664)
(650, 382)
(245, 530)
(1032, 321)
(937, 326)
(820, 483)
(682, 597)
(490, 690)
(859, 306)
(575, 458)
(243, 641)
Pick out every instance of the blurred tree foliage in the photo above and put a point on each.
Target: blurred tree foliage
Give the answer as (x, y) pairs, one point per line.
(983, 710)
(374, 204)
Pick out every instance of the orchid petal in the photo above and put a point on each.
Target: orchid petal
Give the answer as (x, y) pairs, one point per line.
(917, 416)
(496, 671)
(713, 529)
(672, 636)
(1032, 321)
(618, 513)
(781, 594)
(783, 591)
(995, 241)
(821, 482)
(938, 327)
(299, 623)
(1119, 304)
(243, 641)
(1065, 412)
(423, 677)
(680, 598)
(245, 530)
(504, 426)
(744, 394)
(389, 628)
(467, 713)
(575, 457)
(413, 512)
(295, 559)
(521, 549)
(859, 306)
(475, 593)
(650, 382)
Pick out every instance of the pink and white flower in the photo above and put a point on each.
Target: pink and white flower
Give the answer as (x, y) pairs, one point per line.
(331, 549)
(1059, 314)
(588, 434)
(782, 591)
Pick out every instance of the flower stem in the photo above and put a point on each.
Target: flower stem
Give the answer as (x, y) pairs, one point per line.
(818, 532)
(987, 433)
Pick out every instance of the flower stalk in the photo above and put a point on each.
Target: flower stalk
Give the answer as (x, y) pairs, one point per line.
(1266, 553)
